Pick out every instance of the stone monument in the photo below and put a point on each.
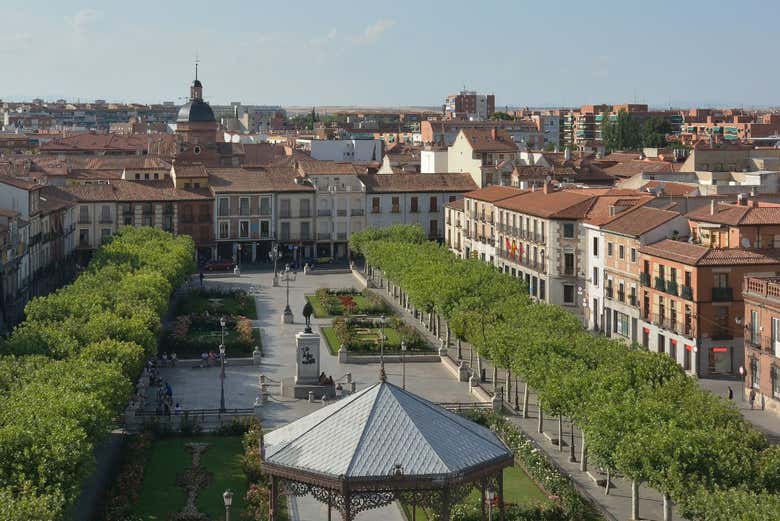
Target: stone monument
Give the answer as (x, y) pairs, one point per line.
(307, 365)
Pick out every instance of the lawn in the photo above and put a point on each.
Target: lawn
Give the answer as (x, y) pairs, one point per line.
(199, 341)
(217, 304)
(519, 489)
(392, 344)
(160, 496)
(319, 311)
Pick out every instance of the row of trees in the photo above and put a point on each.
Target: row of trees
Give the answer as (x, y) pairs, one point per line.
(640, 414)
(68, 370)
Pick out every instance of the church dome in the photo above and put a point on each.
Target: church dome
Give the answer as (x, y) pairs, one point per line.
(196, 111)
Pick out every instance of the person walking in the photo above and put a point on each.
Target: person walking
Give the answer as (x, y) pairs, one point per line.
(201, 280)
(731, 393)
(752, 398)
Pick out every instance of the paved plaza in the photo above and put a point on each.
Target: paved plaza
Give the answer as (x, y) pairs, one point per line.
(199, 388)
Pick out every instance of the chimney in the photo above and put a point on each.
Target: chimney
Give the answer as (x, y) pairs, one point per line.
(493, 133)
(547, 187)
(712, 206)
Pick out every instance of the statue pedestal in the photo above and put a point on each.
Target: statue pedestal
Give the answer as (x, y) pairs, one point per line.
(287, 316)
(307, 358)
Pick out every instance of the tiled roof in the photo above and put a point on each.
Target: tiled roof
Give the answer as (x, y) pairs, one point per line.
(94, 142)
(494, 193)
(135, 191)
(122, 162)
(636, 166)
(735, 214)
(260, 180)
(262, 154)
(639, 220)
(315, 167)
(414, 182)
(366, 435)
(18, 182)
(53, 199)
(563, 204)
(696, 255)
(601, 212)
(481, 140)
(189, 170)
(457, 204)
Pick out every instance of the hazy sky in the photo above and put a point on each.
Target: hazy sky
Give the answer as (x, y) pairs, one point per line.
(402, 52)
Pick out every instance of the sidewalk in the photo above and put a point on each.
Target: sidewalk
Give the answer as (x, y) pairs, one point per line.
(616, 505)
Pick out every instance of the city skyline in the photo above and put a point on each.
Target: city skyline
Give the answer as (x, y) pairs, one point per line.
(556, 54)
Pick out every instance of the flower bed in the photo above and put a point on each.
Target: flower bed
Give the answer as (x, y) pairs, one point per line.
(560, 487)
(349, 301)
(194, 334)
(218, 303)
(364, 335)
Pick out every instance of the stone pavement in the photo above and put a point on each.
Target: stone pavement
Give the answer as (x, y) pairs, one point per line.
(616, 505)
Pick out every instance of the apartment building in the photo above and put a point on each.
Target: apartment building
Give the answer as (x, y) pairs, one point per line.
(478, 222)
(762, 340)
(414, 199)
(468, 104)
(453, 228)
(614, 287)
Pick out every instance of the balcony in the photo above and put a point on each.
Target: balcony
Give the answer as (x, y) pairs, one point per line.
(633, 300)
(671, 287)
(323, 236)
(304, 213)
(686, 292)
(660, 284)
(341, 213)
(608, 292)
(395, 209)
(357, 212)
(758, 342)
(568, 271)
(644, 279)
(341, 236)
(284, 214)
(621, 295)
(106, 220)
(323, 212)
(538, 266)
(722, 294)
(681, 327)
(85, 220)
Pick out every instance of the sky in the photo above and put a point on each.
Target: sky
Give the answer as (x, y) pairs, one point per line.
(400, 53)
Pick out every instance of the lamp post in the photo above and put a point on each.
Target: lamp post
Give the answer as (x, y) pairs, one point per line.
(403, 364)
(222, 367)
(287, 276)
(227, 497)
(274, 255)
(382, 339)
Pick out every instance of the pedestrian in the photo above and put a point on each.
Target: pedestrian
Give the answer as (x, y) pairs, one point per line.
(752, 397)
(168, 389)
(165, 359)
(173, 359)
(731, 393)
(204, 359)
(339, 391)
(762, 402)
(177, 409)
(201, 280)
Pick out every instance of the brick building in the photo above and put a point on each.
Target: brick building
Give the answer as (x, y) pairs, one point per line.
(762, 339)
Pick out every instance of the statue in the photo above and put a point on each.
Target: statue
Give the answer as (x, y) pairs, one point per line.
(308, 310)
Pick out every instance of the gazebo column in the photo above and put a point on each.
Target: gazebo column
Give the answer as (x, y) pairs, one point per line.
(445, 506)
(500, 480)
(348, 506)
(482, 503)
(273, 499)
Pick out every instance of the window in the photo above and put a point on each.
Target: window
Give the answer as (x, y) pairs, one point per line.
(595, 276)
(413, 205)
(568, 293)
(609, 249)
(661, 271)
(305, 234)
(186, 213)
(433, 204)
(621, 252)
(673, 274)
(633, 254)
(285, 231)
(687, 357)
(396, 205)
(541, 289)
(284, 208)
(303, 207)
(224, 206)
(568, 264)
(452, 198)
(688, 278)
(84, 213)
(243, 229)
(243, 205)
(775, 345)
(105, 214)
(105, 233)
(661, 344)
(755, 373)
(265, 229)
(621, 324)
(673, 349)
(224, 229)
(434, 229)
(775, 374)
(265, 206)
(595, 246)
(84, 237)
(568, 230)
(721, 280)
(754, 328)
(375, 205)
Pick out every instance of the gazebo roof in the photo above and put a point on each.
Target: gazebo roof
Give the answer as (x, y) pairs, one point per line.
(366, 435)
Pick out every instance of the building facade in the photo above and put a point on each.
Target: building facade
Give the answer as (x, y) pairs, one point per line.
(762, 340)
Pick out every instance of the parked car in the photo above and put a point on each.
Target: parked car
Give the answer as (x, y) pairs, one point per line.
(219, 265)
(319, 260)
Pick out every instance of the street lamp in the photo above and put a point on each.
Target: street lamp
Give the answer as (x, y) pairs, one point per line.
(403, 364)
(222, 323)
(382, 339)
(227, 497)
(274, 255)
(287, 276)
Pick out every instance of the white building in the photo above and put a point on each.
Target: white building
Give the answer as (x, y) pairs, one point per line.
(352, 150)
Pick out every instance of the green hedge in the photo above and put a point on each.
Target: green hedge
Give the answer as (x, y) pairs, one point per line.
(641, 414)
(80, 348)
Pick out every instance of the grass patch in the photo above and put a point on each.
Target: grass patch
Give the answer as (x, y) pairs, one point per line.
(160, 496)
(361, 302)
(199, 341)
(331, 340)
(519, 489)
(319, 311)
(392, 342)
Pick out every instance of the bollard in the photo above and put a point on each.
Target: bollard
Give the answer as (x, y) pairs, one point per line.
(262, 379)
(351, 387)
(349, 377)
(311, 396)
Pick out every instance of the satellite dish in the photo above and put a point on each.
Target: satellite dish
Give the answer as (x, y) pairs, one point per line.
(745, 242)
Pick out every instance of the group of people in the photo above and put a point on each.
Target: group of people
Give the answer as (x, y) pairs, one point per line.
(325, 380)
(209, 359)
(751, 398)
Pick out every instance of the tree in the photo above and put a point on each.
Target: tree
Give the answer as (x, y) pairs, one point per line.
(654, 132)
(622, 133)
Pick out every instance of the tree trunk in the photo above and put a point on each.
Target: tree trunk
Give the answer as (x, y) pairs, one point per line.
(583, 454)
(606, 485)
(449, 338)
(495, 378)
(634, 500)
(508, 386)
(438, 328)
(525, 400)
(560, 433)
(540, 423)
(479, 367)
(667, 507)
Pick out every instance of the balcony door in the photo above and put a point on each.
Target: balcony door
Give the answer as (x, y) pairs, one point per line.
(776, 336)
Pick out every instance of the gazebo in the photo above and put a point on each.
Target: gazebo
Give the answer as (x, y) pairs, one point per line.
(380, 445)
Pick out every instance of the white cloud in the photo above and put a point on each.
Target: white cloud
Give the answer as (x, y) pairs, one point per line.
(81, 22)
(374, 31)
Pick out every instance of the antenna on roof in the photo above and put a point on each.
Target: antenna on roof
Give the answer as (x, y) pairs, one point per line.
(197, 61)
